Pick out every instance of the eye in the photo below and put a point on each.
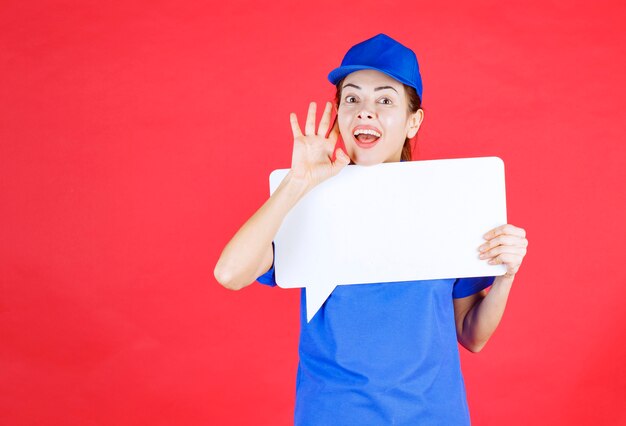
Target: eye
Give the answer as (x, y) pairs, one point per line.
(388, 101)
(348, 99)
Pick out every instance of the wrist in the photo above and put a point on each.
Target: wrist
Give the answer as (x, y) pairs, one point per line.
(294, 185)
(504, 279)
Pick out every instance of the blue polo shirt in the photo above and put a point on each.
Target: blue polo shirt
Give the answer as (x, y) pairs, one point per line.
(382, 354)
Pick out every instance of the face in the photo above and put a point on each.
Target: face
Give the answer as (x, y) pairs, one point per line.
(374, 107)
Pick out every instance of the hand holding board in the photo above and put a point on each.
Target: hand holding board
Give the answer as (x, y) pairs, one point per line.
(405, 221)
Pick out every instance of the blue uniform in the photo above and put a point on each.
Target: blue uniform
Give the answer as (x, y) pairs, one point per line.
(382, 354)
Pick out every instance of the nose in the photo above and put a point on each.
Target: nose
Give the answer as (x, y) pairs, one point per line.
(366, 113)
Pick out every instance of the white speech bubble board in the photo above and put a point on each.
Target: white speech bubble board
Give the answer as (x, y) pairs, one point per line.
(404, 221)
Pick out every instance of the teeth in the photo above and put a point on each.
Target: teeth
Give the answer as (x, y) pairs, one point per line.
(366, 132)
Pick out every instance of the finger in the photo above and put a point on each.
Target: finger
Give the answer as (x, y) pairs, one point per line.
(325, 121)
(509, 240)
(331, 140)
(295, 127)
(309, 128)
(510, 260)
(334, 132)
(505, 229)
(494, 252)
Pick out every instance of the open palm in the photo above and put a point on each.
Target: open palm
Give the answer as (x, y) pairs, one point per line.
(311, 160)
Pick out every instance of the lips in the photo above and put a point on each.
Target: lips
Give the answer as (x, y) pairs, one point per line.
(366, 136)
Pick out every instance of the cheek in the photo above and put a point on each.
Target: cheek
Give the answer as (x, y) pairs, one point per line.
(396, 125)
(344, 127)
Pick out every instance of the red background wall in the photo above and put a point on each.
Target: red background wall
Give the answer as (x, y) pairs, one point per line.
(136, 139)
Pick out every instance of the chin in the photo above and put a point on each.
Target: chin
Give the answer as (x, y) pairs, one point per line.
(366, 160)
(371, 157)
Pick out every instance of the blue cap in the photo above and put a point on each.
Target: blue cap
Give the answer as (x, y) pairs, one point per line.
(384, 54)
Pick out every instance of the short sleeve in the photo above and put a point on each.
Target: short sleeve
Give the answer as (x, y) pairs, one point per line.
(269, 278)
(464, 287)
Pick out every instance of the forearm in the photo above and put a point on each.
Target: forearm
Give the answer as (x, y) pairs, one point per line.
(243, 256)
(483, 319)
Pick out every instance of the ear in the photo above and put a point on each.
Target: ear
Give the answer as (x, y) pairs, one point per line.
(414, 122)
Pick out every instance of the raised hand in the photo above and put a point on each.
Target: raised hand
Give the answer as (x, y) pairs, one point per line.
(311, 161)
(506, 244)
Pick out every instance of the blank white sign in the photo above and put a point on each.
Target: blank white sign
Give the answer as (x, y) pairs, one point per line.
(404, 221)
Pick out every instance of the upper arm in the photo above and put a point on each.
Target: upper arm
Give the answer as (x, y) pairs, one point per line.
(466, 293)
(267, 262)
(463, 305)
(265, 273)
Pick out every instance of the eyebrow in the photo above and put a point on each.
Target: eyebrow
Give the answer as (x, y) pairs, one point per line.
(378, 88)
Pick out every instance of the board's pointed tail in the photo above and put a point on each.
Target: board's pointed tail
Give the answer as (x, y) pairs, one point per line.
(316, 295)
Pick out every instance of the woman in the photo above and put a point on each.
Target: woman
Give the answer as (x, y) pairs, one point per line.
(376, 354)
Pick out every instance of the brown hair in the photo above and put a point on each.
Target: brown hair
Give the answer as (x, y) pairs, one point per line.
(414, 103)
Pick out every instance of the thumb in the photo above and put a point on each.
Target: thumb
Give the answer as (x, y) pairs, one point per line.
(341, 161)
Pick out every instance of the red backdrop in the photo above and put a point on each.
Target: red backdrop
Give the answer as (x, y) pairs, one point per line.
(137, 138)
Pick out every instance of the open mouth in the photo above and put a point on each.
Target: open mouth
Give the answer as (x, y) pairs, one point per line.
(366, 136)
